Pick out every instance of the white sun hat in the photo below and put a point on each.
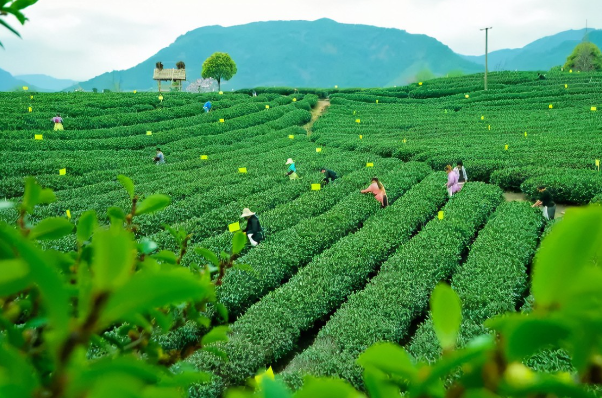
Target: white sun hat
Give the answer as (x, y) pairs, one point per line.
(289, 161)
(246, 212)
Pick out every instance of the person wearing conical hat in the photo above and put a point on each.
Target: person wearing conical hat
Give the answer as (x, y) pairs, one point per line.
(292, 170)
(253, 229)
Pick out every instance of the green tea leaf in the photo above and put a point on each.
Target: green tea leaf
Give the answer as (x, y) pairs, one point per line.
(116, 213)
(218, 333)
(46, 276)
(274, 388)
(390, 359)
(147, 246)
(564, 253)
(532, 334)
(128, 184)
(327, 388)
(208, 255)
(145, 291)
(446, 310)
(113, 258)
(85, 225)
(239, 240)
(51, 228)
(14, 276)
(153, 203)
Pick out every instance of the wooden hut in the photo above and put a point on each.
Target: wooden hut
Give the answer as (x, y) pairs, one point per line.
(176, 76)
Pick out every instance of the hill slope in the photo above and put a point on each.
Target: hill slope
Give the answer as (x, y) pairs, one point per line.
(9, 83)
(321, 53)
(542, 54)
(46, 83)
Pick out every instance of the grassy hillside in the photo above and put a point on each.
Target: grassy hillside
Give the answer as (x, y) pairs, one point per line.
(322, 53)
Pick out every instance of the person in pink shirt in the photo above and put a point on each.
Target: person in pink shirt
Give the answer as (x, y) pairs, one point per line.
(379, 192)
(58, 122)
(452, 181)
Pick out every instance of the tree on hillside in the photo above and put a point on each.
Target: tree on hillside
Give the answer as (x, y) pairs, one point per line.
(219, 66)
(586, 57)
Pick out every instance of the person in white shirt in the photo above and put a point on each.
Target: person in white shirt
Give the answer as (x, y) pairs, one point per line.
(461, 172)
(159, 158)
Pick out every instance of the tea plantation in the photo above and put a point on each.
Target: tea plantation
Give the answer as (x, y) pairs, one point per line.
(336, 272)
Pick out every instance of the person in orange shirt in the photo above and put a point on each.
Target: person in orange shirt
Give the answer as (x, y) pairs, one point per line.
(379, 192)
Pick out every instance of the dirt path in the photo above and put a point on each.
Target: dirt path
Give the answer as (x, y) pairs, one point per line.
(318, 111)
(520, 197)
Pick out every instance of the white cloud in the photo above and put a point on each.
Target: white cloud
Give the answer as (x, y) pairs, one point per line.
(80, 39)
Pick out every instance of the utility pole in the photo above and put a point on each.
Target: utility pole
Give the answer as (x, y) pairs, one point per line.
(486, 52)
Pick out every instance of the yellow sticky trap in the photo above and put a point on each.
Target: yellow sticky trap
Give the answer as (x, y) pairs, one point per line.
(31, 97)
(482, 117)
(29, 109)
(25, 88)
(420, 83)
(316, 187)
(594, 108)
(377, 101)
(62, 172)
(221, 93)
(242, 170)
(318, 149)
(294, 99)
(489, 127)
(160, 98)
(361, 136)
(39, 137)
(234, 227)
(369, 164)
(135, 91)
(404, 140)
(357, 120)
(566, 86)
(268, 373)
(267, 107)
(597, 162)
(466, 96)
(440, 215)
(292, 137)
(334, 87)
(525, 134)
(68, 212)
(204, 157)
(221, 120)
(570, 71)
(506, 147)
(149, 133)
(550, 106)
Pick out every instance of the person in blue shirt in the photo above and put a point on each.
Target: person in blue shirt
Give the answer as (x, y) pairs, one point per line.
(292, 170)
(159, 159)
(207, 106)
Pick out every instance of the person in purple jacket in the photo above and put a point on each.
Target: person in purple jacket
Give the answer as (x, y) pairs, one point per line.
(452, 181)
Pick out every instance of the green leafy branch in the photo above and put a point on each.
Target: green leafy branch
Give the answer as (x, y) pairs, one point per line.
(14, 8)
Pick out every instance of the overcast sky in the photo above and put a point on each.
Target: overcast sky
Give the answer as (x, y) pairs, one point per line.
(80, 39)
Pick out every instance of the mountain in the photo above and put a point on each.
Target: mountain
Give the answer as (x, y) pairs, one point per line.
(9, 83)
(320, 53)
(47, 83)
(542, 54)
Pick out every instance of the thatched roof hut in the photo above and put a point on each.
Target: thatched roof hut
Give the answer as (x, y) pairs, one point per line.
(171, 75)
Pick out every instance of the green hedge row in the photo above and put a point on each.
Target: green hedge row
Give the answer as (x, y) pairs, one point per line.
(270, 329)
(276, 222)
(386, 308)
(494, 278)
(278, 259)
